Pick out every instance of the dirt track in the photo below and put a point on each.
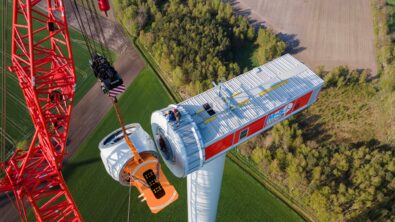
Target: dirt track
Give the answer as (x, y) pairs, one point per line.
(320, 32)
(94, 105)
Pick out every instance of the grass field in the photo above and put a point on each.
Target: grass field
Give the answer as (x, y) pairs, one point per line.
(344, 115)
(19, 124)
(391, 21)
(100, 198)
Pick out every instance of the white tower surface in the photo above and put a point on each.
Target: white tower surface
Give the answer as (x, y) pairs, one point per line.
(219, 119)
(204, 187)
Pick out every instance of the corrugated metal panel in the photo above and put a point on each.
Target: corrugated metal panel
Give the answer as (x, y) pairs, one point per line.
(250, 96)
(187, 138)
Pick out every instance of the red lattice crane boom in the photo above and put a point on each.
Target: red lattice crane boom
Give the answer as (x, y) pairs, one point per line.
(42, 61)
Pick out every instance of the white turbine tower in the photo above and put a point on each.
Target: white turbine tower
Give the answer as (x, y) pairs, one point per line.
(195, 143)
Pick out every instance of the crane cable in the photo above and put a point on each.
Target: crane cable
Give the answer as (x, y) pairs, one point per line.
(86, 5)
(96, 23)
(99, 28)
(91, 33)
(104, 50)
(91, 28)
(4, 80)
(77, 15)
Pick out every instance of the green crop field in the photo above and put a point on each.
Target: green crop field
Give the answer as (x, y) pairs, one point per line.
(19, 126)
(100, 198)
(391, 21)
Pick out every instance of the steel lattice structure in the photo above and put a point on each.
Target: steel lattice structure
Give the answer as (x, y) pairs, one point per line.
(42, 61)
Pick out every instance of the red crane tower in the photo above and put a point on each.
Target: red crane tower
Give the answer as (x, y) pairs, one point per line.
(42, 61)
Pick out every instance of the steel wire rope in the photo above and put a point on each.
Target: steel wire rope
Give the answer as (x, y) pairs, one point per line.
(105, 50)
(90, 19)
(84, 33)
(90, 34)
(96, 25)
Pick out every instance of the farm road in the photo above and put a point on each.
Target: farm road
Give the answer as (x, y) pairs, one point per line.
(319, 32)
(94, 105)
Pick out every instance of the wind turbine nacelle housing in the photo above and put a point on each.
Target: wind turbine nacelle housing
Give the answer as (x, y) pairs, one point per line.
(219, 119)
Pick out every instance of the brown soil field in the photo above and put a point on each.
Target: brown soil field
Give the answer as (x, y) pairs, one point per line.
(319, 32)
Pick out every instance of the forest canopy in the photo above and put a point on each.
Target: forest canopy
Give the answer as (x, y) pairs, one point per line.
(335, 159)
(195, 41)
(338, 181)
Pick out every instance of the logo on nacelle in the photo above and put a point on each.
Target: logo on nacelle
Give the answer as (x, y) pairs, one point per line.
(279, 114)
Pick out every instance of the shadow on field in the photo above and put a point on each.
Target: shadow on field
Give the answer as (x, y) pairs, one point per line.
(244, 56)
(71, 167)
(293, 44)
(374, 144)
(4, 200)
(245, 12)
(377, 212)
(312, 128)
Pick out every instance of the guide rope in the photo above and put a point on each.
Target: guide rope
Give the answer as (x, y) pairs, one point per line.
(130, 190)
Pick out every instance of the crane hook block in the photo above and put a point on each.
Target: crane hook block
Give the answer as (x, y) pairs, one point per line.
(104, 5)
(105, 72)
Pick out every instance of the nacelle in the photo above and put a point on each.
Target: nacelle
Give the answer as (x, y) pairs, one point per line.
(213, 122)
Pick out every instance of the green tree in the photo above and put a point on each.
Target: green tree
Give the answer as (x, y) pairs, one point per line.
(269, 46)
(22, 145)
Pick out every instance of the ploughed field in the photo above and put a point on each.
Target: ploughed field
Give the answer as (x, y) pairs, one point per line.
(100, 198)
(320, 32)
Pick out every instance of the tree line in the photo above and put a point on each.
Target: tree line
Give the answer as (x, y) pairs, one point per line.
(338, 181)
(383, 12)
(195, 41)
